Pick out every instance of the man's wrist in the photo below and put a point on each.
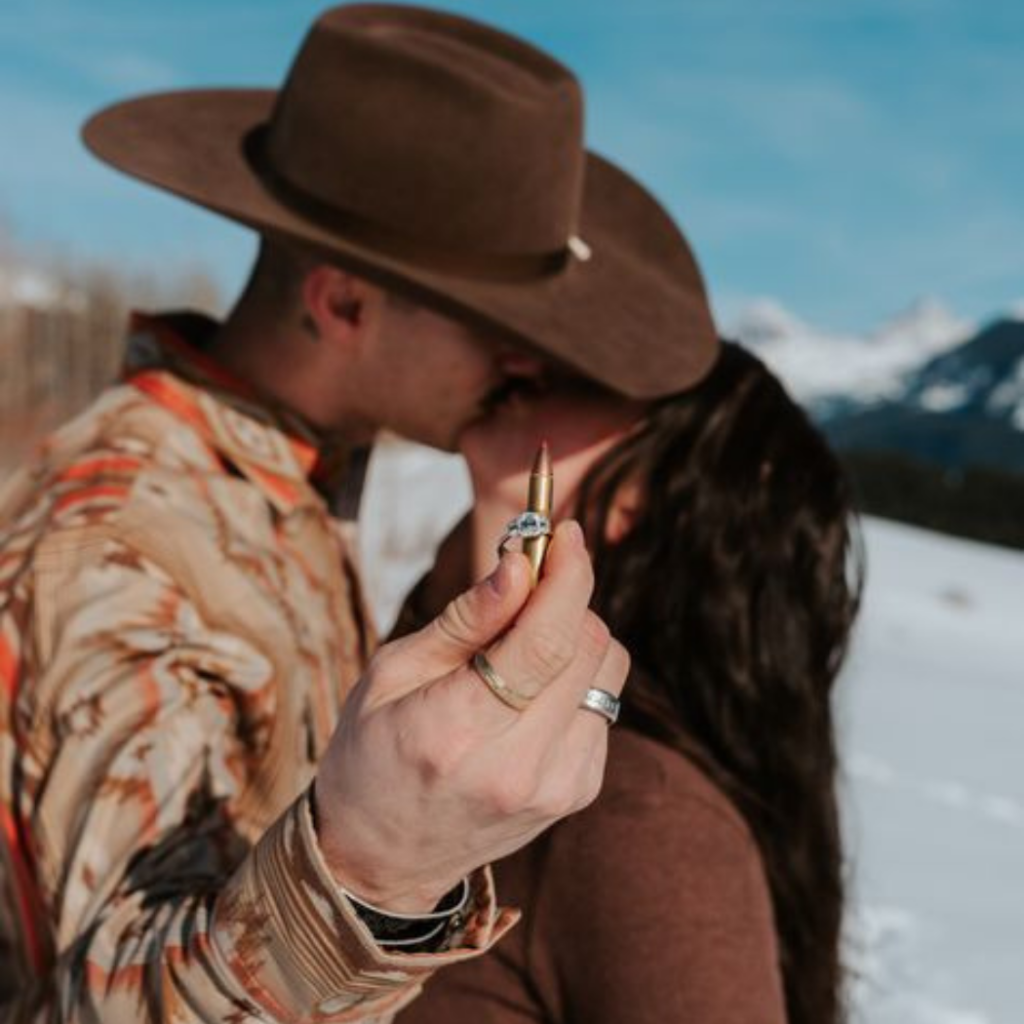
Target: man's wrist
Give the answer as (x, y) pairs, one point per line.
(403, 931)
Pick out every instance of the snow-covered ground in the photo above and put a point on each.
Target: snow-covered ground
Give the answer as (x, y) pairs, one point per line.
(933, 721)
(932, 716)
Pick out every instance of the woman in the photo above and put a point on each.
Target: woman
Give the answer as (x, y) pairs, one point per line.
(705, 883)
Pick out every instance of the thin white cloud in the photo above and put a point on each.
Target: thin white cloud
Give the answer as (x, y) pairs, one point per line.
(47, 129)
(132, 72)
(793, 115)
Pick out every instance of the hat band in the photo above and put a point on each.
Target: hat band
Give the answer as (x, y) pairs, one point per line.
(391, 243)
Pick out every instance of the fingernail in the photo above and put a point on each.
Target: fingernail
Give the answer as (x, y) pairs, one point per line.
(572, 532)
(498, 580)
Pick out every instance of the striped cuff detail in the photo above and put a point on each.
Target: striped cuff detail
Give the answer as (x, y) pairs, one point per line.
(293, 940)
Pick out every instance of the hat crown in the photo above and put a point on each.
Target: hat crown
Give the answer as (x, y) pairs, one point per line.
(438, 129)
(442, 159)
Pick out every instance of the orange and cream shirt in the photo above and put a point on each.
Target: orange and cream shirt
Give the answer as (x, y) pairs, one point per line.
(180, 623)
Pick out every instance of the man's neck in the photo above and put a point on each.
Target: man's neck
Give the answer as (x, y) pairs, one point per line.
(278, 360)
(248, 346)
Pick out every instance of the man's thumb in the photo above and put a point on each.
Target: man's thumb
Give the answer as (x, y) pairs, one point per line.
(476, 617)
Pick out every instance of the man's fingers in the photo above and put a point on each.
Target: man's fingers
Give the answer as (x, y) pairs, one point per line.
(601, 663)
(543, 642)
(610, 673)
(573, 776)
(610, 678)
(557, 703)
(473, 619)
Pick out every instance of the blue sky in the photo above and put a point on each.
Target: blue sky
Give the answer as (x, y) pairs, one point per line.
(842, 156)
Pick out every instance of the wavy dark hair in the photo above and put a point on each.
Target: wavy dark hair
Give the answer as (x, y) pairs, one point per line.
(735, 591)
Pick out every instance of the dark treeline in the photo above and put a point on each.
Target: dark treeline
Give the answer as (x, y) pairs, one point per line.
(978, 502)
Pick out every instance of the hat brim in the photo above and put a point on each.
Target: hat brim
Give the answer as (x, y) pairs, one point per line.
(634, 316)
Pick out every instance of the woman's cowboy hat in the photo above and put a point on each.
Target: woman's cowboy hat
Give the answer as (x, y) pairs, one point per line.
(441, 158)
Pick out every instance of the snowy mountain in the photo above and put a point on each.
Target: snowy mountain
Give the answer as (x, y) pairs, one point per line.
(765, 322)
(820, 366)
(926, 384)
(925, 328)
(984, 376)
(964, 407)
(930, 709)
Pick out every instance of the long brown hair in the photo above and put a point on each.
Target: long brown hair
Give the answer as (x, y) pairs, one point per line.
(735, 591)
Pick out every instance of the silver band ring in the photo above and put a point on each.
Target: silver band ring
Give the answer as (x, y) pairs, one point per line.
(602, 703)
(525, 525)
(486, 671)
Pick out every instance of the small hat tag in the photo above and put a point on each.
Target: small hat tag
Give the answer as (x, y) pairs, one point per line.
(579, 248)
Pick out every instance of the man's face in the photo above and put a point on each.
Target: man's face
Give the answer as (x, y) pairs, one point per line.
(436, 376)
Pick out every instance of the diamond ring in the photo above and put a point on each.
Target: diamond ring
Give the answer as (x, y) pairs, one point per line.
(525, 525)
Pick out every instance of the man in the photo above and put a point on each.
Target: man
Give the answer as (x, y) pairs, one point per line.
(214, 807)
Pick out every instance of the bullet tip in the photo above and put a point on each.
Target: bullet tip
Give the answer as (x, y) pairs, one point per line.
(542, 463)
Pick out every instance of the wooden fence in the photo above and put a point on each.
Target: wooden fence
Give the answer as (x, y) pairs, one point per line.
(52, 362)
(55, 358)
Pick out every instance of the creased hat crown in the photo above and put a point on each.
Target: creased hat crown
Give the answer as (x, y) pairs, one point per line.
(439, 131)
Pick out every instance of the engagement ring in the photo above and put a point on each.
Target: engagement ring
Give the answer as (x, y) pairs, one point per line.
(524, 526)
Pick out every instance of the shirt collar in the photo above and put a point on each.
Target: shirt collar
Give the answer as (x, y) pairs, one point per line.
(270, 445)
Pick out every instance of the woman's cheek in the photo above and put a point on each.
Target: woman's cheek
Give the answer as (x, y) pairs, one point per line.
(496, 455)
(495, 483)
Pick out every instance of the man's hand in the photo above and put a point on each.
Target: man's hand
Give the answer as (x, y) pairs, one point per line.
(429, 775)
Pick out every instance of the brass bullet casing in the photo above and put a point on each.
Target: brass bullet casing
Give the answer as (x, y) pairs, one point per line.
(539, 499)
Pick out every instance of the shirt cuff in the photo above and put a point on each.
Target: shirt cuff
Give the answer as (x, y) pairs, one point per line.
(290, 936)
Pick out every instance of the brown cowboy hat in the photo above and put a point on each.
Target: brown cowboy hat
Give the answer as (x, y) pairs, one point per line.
(444, 159)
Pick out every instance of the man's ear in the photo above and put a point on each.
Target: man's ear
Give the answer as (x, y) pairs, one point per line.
(335, 302)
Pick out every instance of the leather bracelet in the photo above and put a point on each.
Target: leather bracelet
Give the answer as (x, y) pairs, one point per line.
(409, 933)
(414, 932)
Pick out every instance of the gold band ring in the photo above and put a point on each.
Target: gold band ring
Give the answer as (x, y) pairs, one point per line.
(486, 671)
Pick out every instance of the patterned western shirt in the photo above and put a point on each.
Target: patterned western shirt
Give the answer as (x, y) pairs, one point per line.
(180, 623)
